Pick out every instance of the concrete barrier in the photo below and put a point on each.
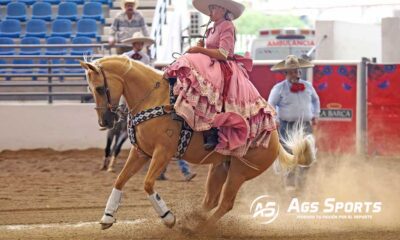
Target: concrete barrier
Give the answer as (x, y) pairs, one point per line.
(60, 126)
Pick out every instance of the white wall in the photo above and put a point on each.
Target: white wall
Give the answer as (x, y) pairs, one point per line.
(171, 32)
(391, 40)
(58, 126)
(355, 40)
(348, 41)
(325, 50)
(171, 37)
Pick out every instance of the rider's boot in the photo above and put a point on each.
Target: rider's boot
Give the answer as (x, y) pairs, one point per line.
(113, 202)
(210, 139)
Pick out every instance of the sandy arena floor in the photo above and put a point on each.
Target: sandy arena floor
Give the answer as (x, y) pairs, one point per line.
(61, 195)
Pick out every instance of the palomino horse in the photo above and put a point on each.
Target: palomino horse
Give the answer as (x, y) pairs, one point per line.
(145, 88)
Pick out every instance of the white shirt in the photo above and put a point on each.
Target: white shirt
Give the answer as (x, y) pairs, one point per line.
(292, 106)
(145, 58)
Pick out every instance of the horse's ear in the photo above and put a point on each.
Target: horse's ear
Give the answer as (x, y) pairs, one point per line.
(89, 66)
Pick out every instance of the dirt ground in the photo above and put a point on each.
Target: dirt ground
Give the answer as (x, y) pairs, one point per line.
(47, 194)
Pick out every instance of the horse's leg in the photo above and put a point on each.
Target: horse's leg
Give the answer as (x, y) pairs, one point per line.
(236, 177)
(134, 163)
(107, 150)
(217, 174)
(158, 163)
(119, 141)
(110, 167)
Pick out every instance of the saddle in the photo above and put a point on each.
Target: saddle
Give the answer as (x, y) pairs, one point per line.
(210, 137)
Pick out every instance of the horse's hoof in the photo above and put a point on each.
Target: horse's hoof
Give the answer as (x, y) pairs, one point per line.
(107, 221)
(169, 220)
(110, 169)
(103, 168)
(105, 226)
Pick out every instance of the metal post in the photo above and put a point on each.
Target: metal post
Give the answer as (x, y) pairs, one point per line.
(304, 74)
(50, 80)
(363, 106)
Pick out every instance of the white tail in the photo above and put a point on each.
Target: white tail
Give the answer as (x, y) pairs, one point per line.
(302, 147)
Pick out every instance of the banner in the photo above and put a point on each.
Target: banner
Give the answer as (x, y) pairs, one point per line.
(264, 79)
(383, 109)
(336, 86)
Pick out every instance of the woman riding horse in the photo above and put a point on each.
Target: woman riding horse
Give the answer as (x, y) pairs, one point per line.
(213, 87)
(212, 94)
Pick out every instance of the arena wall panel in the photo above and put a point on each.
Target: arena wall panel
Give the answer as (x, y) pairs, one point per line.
(60, 126)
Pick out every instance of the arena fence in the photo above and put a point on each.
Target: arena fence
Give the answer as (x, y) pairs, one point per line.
(350, 122)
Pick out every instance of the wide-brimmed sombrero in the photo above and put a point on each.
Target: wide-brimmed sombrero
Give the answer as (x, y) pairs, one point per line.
(291, 62)
(234, 7)
(136, 2)
(138, 37)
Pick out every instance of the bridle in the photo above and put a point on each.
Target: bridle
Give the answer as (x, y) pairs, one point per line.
(105, 91)
(118, 109)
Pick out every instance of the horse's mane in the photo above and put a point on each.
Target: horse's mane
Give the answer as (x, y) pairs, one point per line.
(127, 61)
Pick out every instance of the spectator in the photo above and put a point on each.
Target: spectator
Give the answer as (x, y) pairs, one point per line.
(295, 99)
(118, 134)
(184, 167)
(126, 24)
(138, 42)
(296, 103)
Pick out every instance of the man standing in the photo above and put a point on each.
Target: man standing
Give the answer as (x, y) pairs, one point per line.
(295, 101)
(126, 24)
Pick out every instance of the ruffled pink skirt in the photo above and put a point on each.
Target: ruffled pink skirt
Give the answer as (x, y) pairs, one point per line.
(247, 119)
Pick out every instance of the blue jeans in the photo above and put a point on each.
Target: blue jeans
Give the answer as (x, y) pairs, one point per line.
(286, 127)
(184, 167)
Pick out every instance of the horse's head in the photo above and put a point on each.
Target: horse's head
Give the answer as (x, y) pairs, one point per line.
(107, 89)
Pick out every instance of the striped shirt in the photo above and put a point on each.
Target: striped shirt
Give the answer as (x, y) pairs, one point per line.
(123, 28)
(292, 106)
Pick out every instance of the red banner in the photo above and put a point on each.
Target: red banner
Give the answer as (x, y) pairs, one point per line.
(383, 109)
(264, 79)
(336, 87)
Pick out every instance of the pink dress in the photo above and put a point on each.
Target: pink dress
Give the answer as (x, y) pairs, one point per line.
(211, 95)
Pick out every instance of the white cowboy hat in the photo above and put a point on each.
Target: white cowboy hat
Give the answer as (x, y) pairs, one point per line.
(138, 37)
(233, 7)
(136, 2)
(291, 62)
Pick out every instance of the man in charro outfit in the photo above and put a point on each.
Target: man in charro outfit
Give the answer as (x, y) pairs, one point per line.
(296, 103)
